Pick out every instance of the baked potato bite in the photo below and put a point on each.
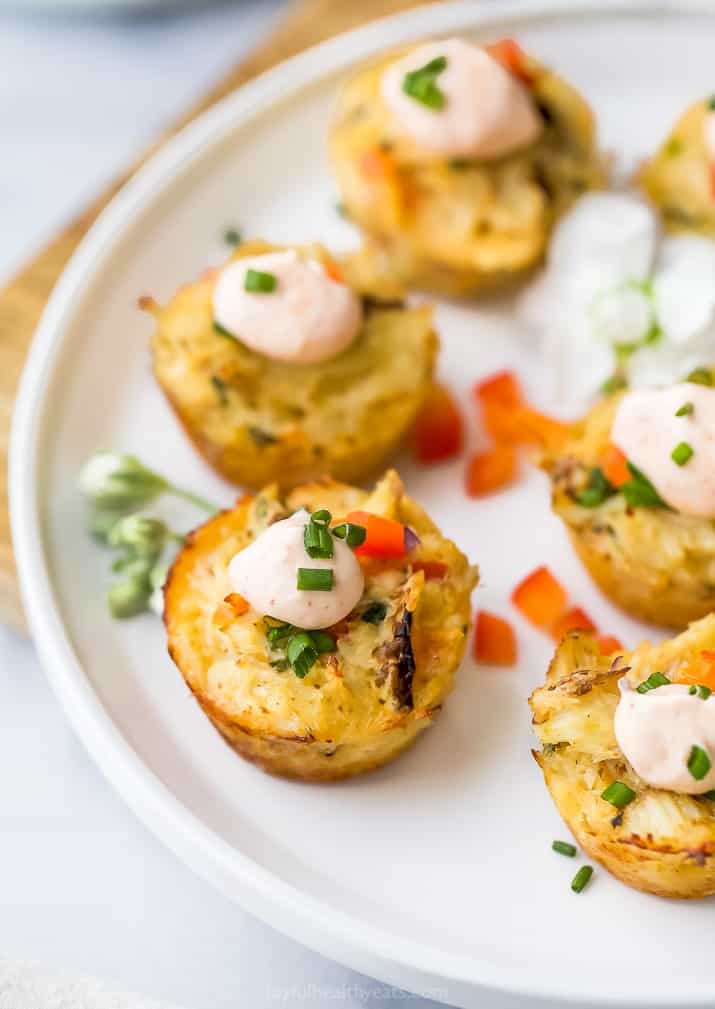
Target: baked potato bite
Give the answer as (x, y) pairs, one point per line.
(680, 177)
(257, 419)
(653, 839)
(465, 213)
(384, 670)
(655, 562)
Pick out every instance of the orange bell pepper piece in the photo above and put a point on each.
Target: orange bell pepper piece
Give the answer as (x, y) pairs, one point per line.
(512, 57)
(540, 597)
(608, 644)
(434, 570)
(238, 604)
(702, 672)
(494, 640)
(491, 470)
(712, 180)
(574, 619)
(439, 429)
(333, 270)
(385, 537)
(501, 387)
(613, 464)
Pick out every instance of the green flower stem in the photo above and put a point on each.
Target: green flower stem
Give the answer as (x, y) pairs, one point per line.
(196, 499)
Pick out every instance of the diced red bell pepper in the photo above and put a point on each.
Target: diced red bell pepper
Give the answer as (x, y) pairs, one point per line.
(494, 640)
(540, 597)
(613, 464)
(385, 537)
(491, 470)
(439, 429)
(512, 57)
(574, 619)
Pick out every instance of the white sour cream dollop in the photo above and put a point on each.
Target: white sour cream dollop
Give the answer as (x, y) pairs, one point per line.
(647, 430)
(266, 575)
(307, 318)
(657, 730)
(486, 112)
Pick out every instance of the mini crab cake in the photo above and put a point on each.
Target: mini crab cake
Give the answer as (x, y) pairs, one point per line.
(635, 487)
(325, 674)
(627, 751)
(680, 178)
(455, 161)
(280, 372)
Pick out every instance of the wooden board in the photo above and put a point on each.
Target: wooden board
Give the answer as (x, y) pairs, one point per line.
(23, 299)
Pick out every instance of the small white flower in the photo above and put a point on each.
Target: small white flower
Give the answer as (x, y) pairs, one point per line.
(97, 471)
(684, 287)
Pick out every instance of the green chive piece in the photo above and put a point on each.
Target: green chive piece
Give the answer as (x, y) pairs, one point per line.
(232, 236)
(614, 384)
(375, 613)
(353, 535)
(563, 848)
(421, 84)
(618, 794)
(222, 331)
(685, 410)
(709, 795)
(639, 492)
(280, 664)
(581, 879)
(598, 489)
(699, 763)
(693, 691)
(302, 654)
(700, 376)
(278, 634)
(321, 517)
(682, 453)
(653, 681)
(260, 283)
(315, 579)
(711, 103)
(317, 540)
(220, 387)
(323, 642)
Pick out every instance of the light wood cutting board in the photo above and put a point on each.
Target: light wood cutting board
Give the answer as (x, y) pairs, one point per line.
(23, 299)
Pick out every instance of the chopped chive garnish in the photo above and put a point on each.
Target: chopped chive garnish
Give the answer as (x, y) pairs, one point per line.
(700, 376)
(598, 489)
(322, 517)
(220, 387)
(421, 84)
(618, 794)
(232, 236)
(614, 384)
(280, 664)
(685, 410)
(581, 878)
(315, 579)
(277, 634)
(353, 535)
(258, 282)
(222, 331)
(653, 681)
(699, 763)
(692, 691)
(701, 690)
(639, 492)
(323, 642)
(709, 795)
(682, 453)
(318, 541)
(711, 103)
(302, 654)
(375, 613)
(563, 848)
(261, 437)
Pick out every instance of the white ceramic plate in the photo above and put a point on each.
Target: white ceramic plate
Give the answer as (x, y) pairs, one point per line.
(436, 873)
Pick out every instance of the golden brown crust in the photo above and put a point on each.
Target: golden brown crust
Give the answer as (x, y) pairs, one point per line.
(678, 178)
(655, 564)
(346, 716)
(256, 421)
(662, 843)
(456, 227)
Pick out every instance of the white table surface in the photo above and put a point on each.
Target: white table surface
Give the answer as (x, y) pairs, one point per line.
(83, 886)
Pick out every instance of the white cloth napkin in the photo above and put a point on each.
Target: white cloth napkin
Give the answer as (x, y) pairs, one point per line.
(26, 986)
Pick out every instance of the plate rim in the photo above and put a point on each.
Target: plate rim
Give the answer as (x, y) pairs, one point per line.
(317, 923)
